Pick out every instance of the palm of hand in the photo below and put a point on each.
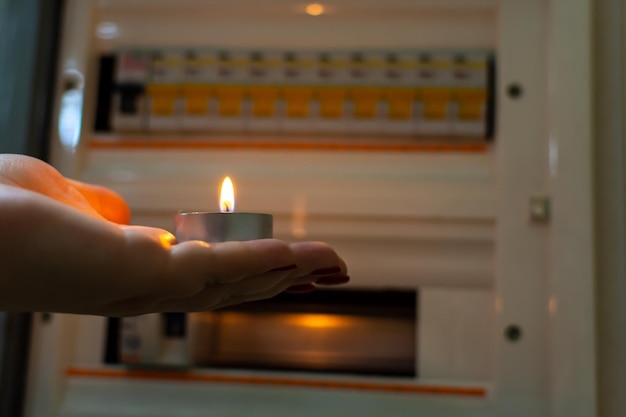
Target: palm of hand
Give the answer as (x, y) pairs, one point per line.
(134, 269)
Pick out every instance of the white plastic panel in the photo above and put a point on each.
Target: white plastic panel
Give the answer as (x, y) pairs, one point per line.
(572, 303)
(522, 373)
(347, 23)
(93, 397)
(456, 328)
(391, 184)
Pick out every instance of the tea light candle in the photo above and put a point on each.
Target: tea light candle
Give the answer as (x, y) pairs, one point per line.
(227, 225)
(208, 227)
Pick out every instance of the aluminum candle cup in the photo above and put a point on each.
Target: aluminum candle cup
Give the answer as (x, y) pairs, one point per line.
(222, 227)
(178, 341)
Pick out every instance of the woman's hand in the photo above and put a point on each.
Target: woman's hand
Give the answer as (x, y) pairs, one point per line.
(64, 248)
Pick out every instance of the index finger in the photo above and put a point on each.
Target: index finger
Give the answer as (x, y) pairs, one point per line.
(228, 262)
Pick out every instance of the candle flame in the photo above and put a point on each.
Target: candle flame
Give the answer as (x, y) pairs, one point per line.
(227, 196)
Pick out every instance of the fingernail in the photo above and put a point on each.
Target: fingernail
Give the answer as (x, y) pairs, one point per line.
(326, 271)
(284, 268)
(336, 280)
(303, 288)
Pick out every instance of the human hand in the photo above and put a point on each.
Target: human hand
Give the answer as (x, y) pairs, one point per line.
(63, 250)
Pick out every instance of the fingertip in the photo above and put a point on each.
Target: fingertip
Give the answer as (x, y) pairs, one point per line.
(318, 257)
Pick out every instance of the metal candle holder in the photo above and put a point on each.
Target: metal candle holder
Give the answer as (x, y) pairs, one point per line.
(222, 227)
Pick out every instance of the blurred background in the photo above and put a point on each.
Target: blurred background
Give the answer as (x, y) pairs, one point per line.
(465, 157)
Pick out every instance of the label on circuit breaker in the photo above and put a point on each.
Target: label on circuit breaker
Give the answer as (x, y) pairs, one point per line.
(299, 68)
(262, 93)
(140, 339)
(366, 68)
(168, 68)
(200, 67)
(434, 81)
(363, 105)
(469, 96)
(200, 73)
(296, 105)
(165, 91)
(233, 77)
(132, 67)
(398, 94)
(174, 344)
(334, 68)
(232, 67)
(399, 69)
(331, 93)
(265, 67)
(132, 71)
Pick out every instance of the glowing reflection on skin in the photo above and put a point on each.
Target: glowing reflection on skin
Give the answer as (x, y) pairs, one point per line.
(167, 239)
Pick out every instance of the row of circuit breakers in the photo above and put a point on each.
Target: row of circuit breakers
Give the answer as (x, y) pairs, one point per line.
(413, 93)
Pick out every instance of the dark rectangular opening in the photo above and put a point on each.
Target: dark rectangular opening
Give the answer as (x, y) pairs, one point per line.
(331, 331)
(342, 331)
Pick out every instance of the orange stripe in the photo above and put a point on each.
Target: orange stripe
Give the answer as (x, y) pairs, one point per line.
(279, 381)
(315, 146)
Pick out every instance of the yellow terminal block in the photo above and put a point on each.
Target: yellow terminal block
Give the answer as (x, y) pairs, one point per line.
(471, 103)
(230, 100)
(264, 101)
(163, 98)
(197, 99)
(435, 102)
(332, 101)
(298, 100)
(400, 103)
(366, 102)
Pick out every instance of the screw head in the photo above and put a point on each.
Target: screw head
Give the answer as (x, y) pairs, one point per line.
(514, 91)
(46, 317)
(513, 333)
